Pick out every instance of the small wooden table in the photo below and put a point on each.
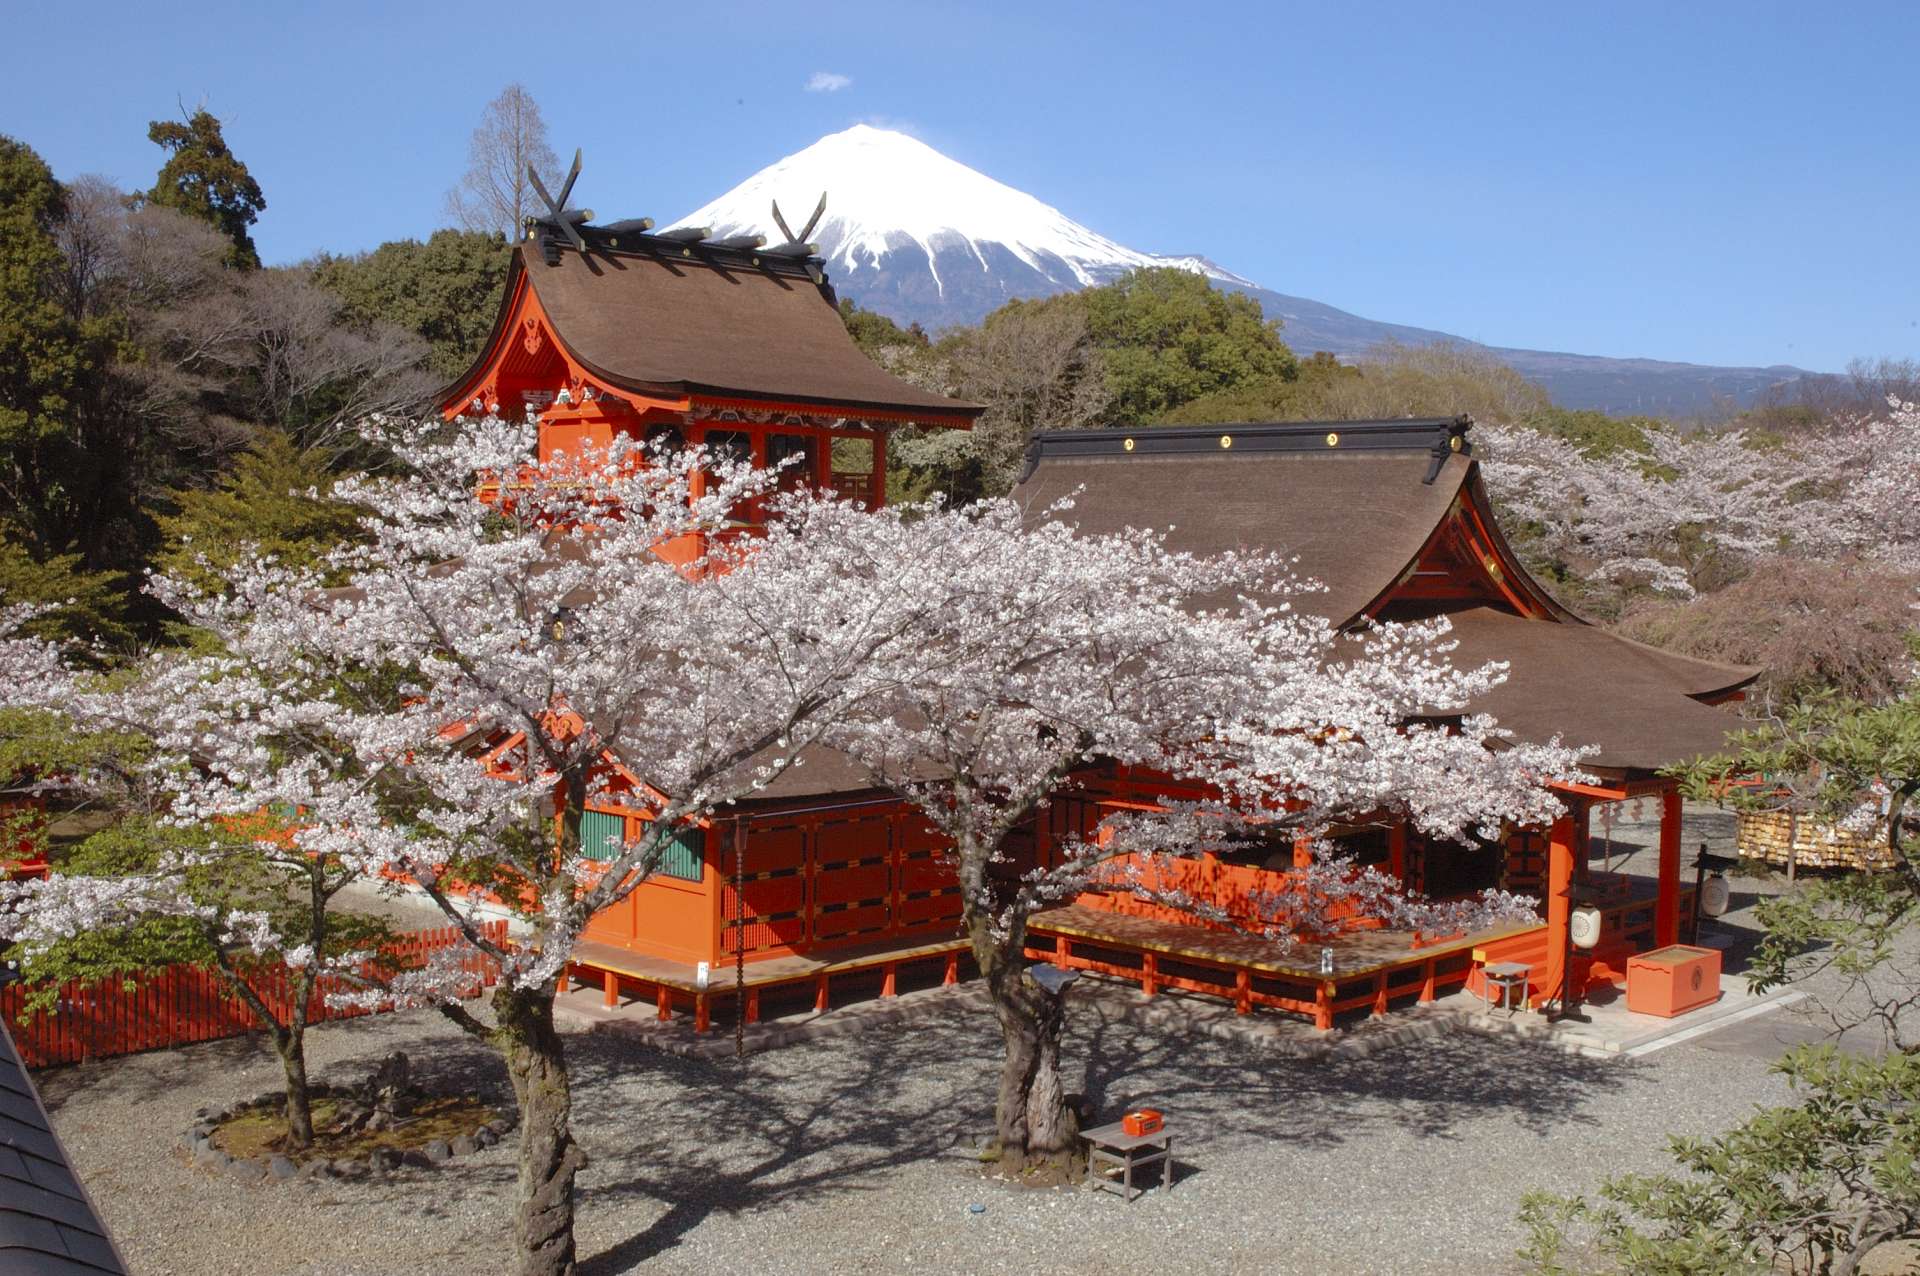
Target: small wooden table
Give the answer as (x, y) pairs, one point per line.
(1110, 1147)
(1505, 985)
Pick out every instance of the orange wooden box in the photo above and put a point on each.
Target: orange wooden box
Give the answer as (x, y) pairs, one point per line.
(1673, 980)
(1145, 1121)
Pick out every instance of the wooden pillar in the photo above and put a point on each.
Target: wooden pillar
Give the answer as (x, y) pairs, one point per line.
(1323, 1007)
(879, 469)
(1380, 994)
(1302, 851)
(1666, 915)
(1149, 974)
(611, 983)
(663, 1002)
(889, 978)
(953, 969)
(1567, 839)
(820, 993)
(701, 1020)
(753, 1005)
(1397, 851)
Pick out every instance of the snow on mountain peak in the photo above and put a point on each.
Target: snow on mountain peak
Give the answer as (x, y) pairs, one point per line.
(886, 190)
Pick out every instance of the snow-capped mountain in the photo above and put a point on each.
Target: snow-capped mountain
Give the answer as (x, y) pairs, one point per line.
(922, 238)
(916, 235)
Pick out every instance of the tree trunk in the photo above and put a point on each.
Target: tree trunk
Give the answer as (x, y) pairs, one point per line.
(1037, 1132)
(292, 1049)
(549, 1158)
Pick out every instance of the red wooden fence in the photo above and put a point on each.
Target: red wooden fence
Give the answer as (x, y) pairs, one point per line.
(178, 1005)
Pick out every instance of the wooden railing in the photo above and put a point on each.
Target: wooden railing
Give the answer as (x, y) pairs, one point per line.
(179, 1005)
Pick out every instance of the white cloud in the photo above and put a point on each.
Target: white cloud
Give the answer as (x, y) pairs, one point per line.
(828, 82)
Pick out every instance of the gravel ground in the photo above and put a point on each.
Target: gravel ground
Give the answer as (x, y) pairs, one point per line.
(857, 1154)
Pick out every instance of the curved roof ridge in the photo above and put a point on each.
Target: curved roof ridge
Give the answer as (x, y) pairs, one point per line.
(730, 326)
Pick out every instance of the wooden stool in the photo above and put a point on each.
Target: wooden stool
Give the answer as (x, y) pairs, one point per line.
(1110, 1147)
(1502, 982)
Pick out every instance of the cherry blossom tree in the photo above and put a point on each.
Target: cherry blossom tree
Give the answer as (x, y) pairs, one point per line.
(1054, 654)
(1695, 510)
(1665, 519)
(240, 898)
(1861, 488)
(33, 671)
(492, 666)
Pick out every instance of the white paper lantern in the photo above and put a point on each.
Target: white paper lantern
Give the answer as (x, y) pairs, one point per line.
(1586, 926)
(1715, 895)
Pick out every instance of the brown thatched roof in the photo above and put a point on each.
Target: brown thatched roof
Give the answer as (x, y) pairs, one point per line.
(712, 323)
(1357, 503)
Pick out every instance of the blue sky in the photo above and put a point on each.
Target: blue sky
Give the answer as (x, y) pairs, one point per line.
(1725, 184)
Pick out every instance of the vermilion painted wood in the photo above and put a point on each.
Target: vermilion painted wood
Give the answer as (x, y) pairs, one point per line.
(181, 1005)
(1377, 984)
(1666, 928)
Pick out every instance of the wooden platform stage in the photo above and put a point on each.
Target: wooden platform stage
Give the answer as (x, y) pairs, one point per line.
(1371, 968)
(615, 968)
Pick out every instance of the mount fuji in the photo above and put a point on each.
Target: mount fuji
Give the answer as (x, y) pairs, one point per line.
(922, 238)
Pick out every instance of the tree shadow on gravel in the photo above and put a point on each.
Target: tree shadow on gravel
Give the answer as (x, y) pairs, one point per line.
(216, 1072)
(1431, 1088)
(793, 1122)
(835, 1115)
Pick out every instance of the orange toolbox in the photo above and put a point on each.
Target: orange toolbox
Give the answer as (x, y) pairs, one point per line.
(1144, 1121)
(1673, 980)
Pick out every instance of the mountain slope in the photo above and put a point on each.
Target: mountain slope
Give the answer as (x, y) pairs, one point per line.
(922, 238)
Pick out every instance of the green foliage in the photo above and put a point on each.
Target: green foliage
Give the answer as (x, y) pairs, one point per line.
(38, 745)
(1847, 924)
(273, 501)
(204, 180)
(45, 354)
(1307, 396)
(1168, 337)
(1392, 381)
(1834, 753)
(874, 332)
(446, 290)
(84, 607)
(1594, 433)
(100, 953)
(1830, 759)
(231, 875)
(1813, 1186)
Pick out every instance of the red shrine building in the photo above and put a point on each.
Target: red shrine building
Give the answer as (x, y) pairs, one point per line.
(823, 877)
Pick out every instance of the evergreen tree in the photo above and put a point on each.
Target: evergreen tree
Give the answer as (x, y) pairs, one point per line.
(44, 354)
(447, 290)
(47, 358)
(275, 501)
(1168, 337)
(81, 605)
(204, 180)
(874, 332)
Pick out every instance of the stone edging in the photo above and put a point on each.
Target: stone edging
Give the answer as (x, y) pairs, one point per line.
(197, 1143)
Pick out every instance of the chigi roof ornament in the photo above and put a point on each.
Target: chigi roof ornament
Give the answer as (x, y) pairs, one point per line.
(574, 227)
(567, 221)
